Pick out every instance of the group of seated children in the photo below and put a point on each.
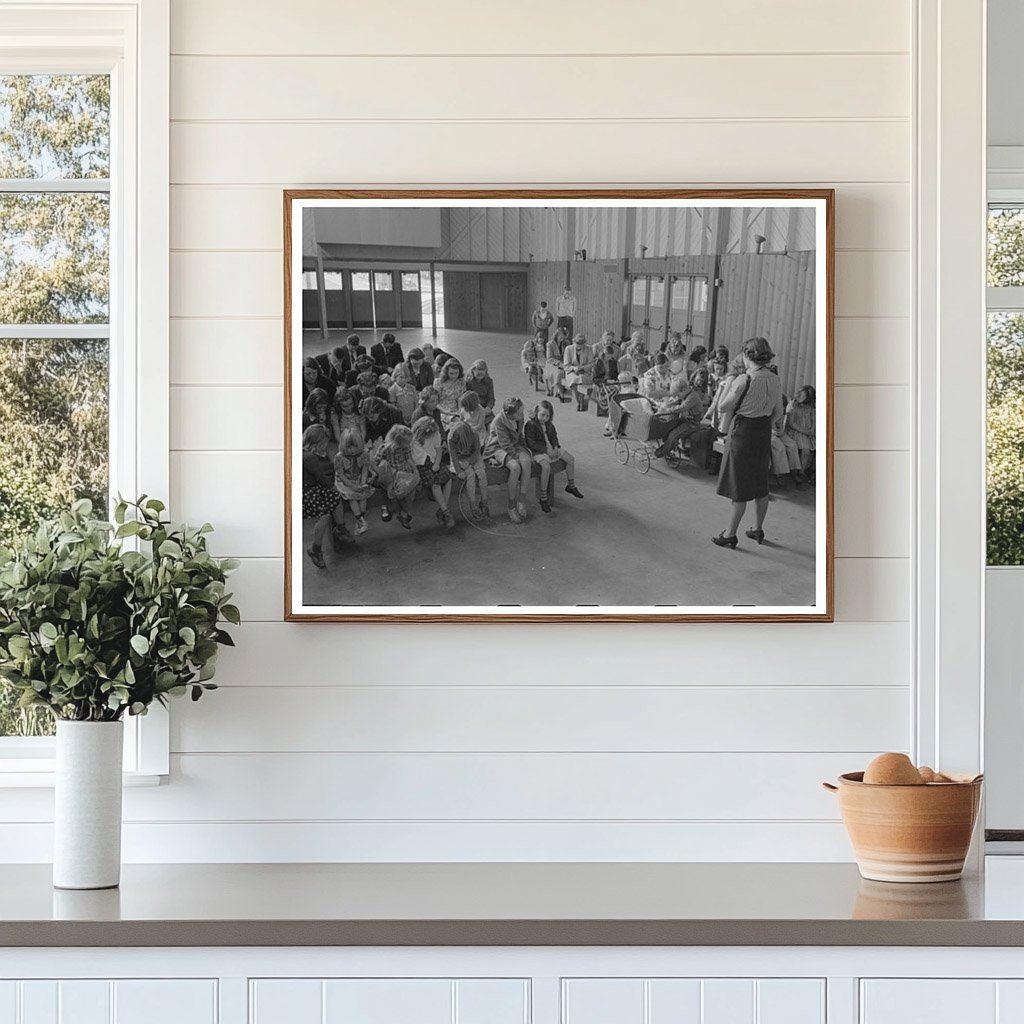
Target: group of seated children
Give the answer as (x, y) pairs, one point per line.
(407, 425)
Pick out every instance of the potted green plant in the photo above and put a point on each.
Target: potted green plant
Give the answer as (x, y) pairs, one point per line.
(99, 620)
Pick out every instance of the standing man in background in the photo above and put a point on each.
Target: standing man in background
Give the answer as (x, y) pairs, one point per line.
(542, 320)
(565, 310)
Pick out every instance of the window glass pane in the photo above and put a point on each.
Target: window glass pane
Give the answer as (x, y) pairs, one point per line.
(54, 126)
(681, 292)
(54, 259)
(1005, 439)
(382, 281)
(334, 281)
(700, 294)
(53, 449)
(360, 280)
(1005, 246)
(410, 281)
(309, 280)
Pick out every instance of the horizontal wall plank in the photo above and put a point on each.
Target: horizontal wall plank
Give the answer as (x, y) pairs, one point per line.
(872, 418)
(246, 284)
(242, 494)
(287, 88)
(206, 284)
(872, 589)
(375, 787)
(258, 585)
(455, 842)
(234, 418)
(241, 353)
(868, 216)
(872, 283)
(867, 589)
(239, 492)
(873, 350)
(872, 504)
(798, 654)
(478, 152)
(251, 418)
(406, 26)
(548, 718)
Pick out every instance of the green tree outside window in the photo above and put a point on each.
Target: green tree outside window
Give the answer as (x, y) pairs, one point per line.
(54, 271)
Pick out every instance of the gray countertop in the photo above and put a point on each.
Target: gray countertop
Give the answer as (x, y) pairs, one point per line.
(503, 905)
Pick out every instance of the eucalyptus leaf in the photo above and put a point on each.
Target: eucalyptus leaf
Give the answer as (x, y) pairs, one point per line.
(93, 631)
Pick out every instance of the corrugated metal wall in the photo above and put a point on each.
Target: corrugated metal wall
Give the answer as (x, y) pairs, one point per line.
(511, 235)
(771, 296)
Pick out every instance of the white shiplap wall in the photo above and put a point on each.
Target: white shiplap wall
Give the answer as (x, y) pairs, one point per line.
(422, 742)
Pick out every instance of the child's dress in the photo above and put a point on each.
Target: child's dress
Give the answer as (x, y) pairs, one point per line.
(406, 399)
(800, 425)
(351, 475)
(449, 392)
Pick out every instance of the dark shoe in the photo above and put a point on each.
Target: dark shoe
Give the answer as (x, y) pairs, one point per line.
(316, 556)
(757, 535)
(725, 542)
(439, 515)
(448, 519)
(405, 520)
(340, 537)
(660, 452)
(545, 505)
(385, 514)
(573, 490)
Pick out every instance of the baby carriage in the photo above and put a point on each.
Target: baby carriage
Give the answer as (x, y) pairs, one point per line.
(638, 430)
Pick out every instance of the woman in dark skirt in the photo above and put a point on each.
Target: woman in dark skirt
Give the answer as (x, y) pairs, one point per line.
(754, 400)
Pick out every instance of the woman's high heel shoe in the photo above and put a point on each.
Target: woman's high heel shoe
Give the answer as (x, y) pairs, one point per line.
(757, 535)
(725, 542)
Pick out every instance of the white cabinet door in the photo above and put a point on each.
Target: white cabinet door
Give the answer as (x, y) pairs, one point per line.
(693, 1001)
(389, 1001)
(930, 1001)
(144, 1001)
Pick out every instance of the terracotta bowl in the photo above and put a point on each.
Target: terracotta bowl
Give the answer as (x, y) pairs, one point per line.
(909, 833)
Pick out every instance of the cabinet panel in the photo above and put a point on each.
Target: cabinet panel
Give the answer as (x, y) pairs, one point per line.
(693, 1001)
(84, 1002)
(674, 1001)
(788, 1001)
(603, 1001)
(930, 1001)
(165, 1002)
(492, 1002)
(101, 1001)
(39, 1002)
(285, 1001)
(8, 1002)
(727, 1002)
(387, 1001)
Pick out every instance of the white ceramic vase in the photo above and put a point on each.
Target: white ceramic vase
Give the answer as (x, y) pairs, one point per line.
(87, 805)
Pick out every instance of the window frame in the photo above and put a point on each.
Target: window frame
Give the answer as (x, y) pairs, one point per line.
(130, 41)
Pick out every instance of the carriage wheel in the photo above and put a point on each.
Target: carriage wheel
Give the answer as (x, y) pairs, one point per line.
(622, 451)
(642, 460)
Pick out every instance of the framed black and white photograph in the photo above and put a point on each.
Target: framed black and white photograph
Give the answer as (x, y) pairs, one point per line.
(559, 405)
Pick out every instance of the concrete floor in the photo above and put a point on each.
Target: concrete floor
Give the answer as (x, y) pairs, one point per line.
(634, 540)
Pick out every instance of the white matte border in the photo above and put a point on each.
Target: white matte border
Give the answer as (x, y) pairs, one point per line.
(823, 417)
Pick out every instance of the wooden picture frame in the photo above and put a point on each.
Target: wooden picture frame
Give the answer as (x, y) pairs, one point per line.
(298, 566)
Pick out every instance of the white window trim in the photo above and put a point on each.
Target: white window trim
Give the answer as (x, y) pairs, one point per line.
(130, 40)
(949, 443)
